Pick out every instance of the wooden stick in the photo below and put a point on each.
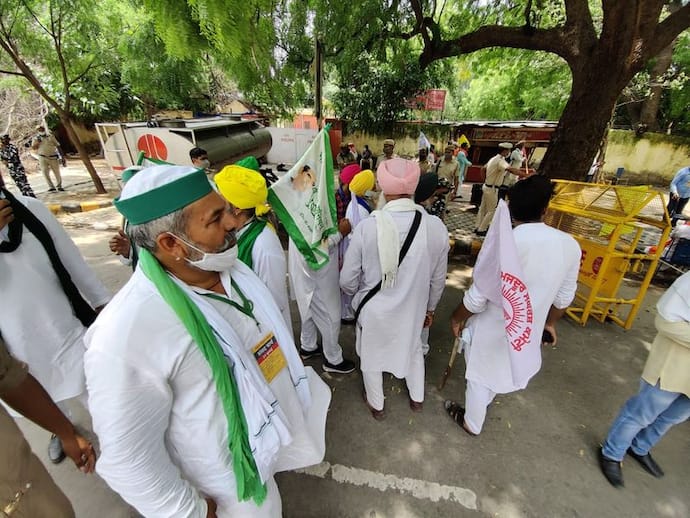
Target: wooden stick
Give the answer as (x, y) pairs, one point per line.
(451, 361)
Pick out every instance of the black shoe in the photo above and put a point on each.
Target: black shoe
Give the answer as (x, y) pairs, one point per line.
(611, 470)
(61, 189)
(481, 233)
(306, 355)
(344, 367)
(647, 463)
(52, 189)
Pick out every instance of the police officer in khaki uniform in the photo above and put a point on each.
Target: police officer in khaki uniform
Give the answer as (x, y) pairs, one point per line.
(26, 488)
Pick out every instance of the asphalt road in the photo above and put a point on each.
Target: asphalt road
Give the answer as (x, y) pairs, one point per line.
(535, 457)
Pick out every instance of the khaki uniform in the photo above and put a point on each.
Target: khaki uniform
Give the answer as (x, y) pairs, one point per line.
(495, 170)
(26, 488)
(48, 158)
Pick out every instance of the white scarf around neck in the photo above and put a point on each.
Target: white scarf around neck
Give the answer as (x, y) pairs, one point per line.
(388, 238)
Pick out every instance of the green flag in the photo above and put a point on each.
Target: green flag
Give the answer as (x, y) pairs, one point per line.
(304, 201)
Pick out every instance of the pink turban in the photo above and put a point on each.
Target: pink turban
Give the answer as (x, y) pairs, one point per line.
(398, 176)
(348, 172)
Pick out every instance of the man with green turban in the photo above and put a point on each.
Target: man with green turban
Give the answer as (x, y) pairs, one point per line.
(197, 392)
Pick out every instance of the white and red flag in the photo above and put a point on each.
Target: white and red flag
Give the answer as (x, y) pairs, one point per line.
(498, 276)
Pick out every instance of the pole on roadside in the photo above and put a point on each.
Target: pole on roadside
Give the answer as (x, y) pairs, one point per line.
(318, 107)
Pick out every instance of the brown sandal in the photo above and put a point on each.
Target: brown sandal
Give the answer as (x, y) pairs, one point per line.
(457, 414)
(379, 415)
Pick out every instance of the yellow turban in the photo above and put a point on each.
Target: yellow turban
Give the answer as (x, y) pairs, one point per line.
(362, 182)
(243, 188)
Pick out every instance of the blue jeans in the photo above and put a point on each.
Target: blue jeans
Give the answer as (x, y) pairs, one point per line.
(644, 419)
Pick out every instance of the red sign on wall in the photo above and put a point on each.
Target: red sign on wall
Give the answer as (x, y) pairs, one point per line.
(430, 100)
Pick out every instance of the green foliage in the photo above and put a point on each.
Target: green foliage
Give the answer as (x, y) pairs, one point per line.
(373, 96)
(675, 109)
(513, 84)
(156, 79)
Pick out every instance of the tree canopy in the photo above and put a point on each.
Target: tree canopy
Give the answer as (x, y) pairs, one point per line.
(542, 59)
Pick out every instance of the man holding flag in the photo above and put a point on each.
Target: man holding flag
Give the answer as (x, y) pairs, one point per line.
(512, 300)
(310, 219)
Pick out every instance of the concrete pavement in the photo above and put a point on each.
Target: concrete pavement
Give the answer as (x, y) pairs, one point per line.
(535, 457)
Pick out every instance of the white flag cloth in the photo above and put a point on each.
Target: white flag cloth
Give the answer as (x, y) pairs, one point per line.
(423, 141)
(498, 276)
(304, 201)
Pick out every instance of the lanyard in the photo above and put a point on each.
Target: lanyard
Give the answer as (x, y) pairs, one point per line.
(247, 307)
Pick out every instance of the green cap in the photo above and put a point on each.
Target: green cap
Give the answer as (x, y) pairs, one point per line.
(163, 190)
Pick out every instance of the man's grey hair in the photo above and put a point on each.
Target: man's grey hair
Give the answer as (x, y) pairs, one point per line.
(145, 234)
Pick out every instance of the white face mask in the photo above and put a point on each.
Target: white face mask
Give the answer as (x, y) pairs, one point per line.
(212, 262)
(204, 164)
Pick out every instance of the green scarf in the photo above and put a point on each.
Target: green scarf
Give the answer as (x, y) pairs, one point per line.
(248, 481)
(245, 243)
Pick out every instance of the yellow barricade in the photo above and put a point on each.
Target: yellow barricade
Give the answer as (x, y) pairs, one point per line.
(614, 225)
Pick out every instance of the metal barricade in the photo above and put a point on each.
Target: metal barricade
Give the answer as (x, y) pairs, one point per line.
(614, 224)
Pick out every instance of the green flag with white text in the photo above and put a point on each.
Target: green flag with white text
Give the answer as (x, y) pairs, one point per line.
(304, 201)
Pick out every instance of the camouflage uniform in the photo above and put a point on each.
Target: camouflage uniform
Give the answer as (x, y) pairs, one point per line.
(9, 154)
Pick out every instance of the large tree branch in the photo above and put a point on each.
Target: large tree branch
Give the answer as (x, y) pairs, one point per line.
(547, 40)
(668, 30)
(578, 10)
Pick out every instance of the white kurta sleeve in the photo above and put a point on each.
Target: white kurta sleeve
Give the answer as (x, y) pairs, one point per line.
(91, 288)
(268, 262)
(566, 292)
(334, 239)
(474, 301)
(130, 410)
(439, 268)
(352, 264)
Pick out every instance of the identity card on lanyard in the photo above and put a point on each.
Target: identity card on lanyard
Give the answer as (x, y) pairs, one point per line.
(269, 356)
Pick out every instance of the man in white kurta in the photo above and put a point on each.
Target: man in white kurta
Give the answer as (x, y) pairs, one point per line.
(357, 210)
(390, 324)
(169, 437)
(258, 243)
(37, 320)
(550, 261)
(318, 300)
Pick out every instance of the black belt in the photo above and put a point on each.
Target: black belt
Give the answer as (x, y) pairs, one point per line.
(491, 186)
(50, 156)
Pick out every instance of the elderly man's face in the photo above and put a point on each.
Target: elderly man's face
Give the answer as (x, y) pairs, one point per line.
(210, 225)
(448, 154)
(388, 149)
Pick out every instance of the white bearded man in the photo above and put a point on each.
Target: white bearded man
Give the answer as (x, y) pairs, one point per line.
(389, 326)
(549, 261)
(198, 393)
(257, 242)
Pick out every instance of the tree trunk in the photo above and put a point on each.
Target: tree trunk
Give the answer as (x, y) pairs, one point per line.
(576, 140)
(83, 153)
(650, 106)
